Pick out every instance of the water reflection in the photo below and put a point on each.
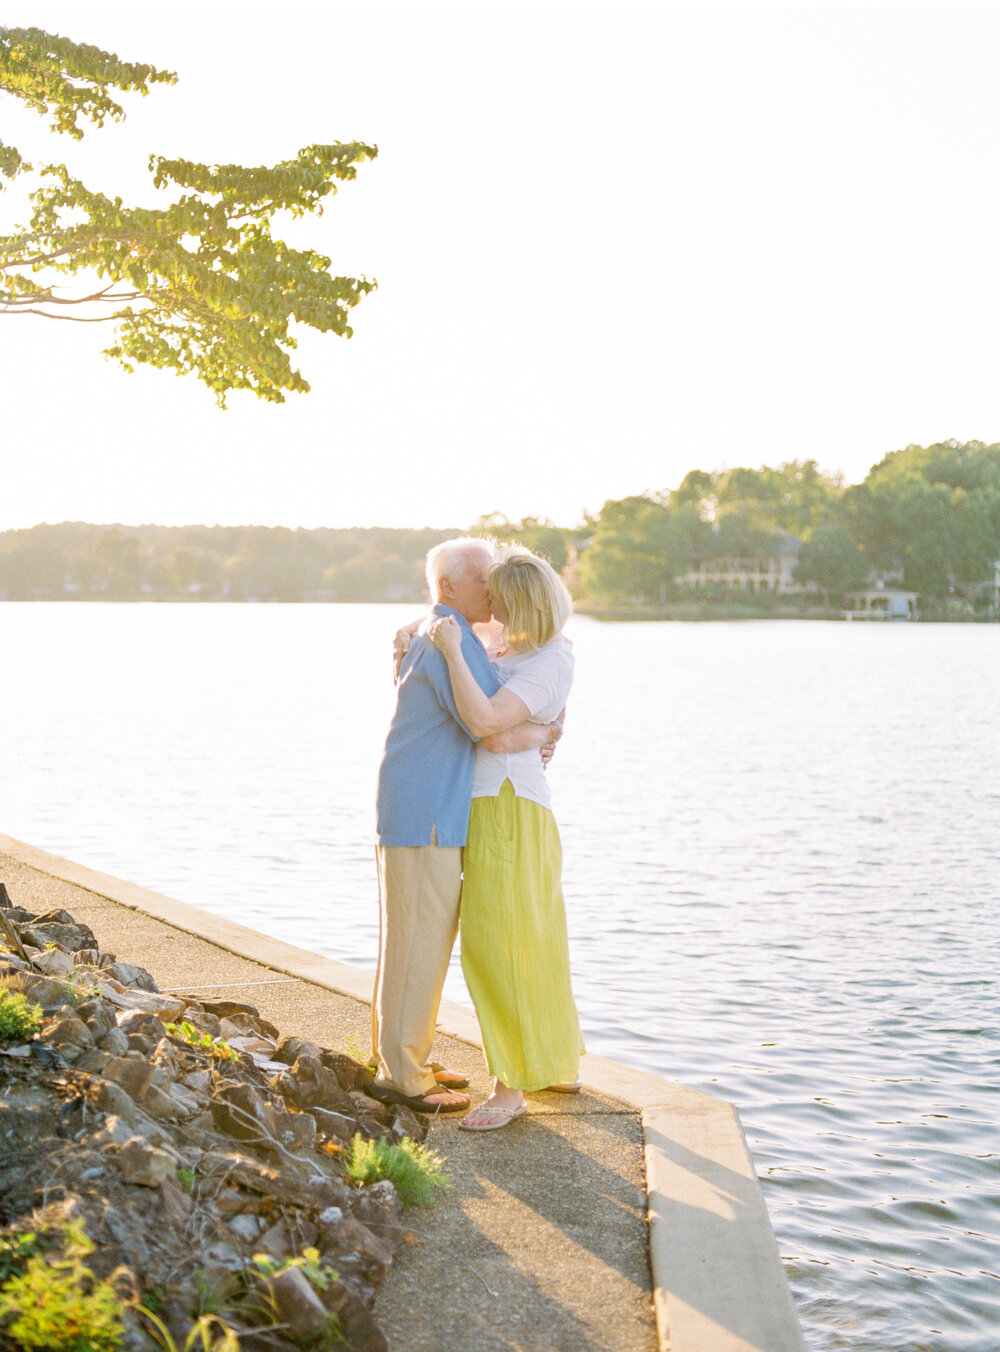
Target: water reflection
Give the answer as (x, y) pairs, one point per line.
(781, 862)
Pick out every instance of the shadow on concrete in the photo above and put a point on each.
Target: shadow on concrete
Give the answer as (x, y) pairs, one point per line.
(541, 1246)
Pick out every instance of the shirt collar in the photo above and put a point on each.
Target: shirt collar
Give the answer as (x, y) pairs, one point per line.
(439, 608)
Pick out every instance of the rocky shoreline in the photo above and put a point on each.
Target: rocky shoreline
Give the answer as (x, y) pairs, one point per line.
(194, 1156)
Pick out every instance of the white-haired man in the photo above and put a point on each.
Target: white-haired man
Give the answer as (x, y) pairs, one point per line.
(424, 791)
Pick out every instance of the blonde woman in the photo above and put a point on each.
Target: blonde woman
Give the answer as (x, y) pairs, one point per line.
(513, 921)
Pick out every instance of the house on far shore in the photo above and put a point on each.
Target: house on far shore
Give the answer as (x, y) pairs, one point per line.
(881, 603)
(765, 572)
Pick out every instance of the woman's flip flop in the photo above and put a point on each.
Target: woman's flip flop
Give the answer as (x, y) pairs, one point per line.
(501, 1117)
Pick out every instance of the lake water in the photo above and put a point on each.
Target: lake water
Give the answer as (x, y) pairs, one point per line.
(782, 844)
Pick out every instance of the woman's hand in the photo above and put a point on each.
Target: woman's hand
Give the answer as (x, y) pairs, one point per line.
(446, 635)
(400, 647)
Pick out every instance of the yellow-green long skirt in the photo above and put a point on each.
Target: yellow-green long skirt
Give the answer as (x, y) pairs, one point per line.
(514, 950)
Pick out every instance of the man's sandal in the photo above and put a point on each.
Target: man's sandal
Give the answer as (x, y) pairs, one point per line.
(420, 1103)
(501, 1117)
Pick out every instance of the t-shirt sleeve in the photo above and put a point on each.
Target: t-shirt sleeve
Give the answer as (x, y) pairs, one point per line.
(543, 681)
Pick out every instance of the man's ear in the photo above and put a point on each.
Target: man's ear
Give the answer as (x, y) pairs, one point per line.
(445, 589)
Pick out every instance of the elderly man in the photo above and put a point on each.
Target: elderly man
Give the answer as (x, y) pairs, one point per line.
(424, 789)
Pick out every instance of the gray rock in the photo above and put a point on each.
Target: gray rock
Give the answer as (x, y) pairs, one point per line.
(115, 1042)
(223, 1255)
(162, 1105)
(351, 1074)
(167, 1006)
(246, 1227)
(338, 1126)
(200, 1081)
(241, 1111)
(297, 1303)
(133, 1075)
(406, 1124)
(99, 1017)
(112, 1099)
(351, 1246)
(225, 1009)
(71, 937)
(289, 1049)
(135, 978)
(356, 1322)
(378, 1207)
(177, 1204)
(93, 1062)
(144, 1164)
(53, 962)
(67, 1032)
(116, 1131)
(309, 1084)
(56, 917)
(295, 1131)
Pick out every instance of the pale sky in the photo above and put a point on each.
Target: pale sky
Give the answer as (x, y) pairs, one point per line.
(612, 244)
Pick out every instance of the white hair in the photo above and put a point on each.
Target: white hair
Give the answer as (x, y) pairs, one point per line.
(451, 560)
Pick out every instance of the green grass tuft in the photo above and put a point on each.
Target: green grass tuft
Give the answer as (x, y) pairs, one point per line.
(413, 1170)
(19, 1018)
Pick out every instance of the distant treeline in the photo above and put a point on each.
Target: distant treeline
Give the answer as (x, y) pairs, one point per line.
(236, 563)
(925, 518)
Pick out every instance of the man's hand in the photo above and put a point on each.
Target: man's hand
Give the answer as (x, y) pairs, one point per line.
(549, 749)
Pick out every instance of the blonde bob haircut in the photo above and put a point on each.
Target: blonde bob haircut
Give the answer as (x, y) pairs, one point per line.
(533, 596)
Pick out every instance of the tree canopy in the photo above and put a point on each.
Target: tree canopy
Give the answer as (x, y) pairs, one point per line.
(198, 286)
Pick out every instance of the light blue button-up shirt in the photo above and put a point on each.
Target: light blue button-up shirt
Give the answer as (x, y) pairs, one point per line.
(425, 779)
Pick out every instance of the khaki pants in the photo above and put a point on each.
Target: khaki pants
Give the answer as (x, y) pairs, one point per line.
(420, 888)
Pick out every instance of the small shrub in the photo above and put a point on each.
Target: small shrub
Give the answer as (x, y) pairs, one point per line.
(19, 1018)
(60, 1306)
(185, 1178)
(413, 1170)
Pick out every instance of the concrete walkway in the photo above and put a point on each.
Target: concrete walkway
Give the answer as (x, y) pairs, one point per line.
(544, 1242)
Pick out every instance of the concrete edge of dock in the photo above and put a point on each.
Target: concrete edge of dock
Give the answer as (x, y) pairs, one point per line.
(718, 1281)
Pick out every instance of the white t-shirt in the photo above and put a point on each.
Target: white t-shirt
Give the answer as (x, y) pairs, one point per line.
(542, 679)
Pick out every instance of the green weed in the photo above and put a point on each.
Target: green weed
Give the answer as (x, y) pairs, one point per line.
(318, 1275)
(413, 1170)
(218, 1047)
(15, 1251)
(208, 1332)
(353, 1047)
